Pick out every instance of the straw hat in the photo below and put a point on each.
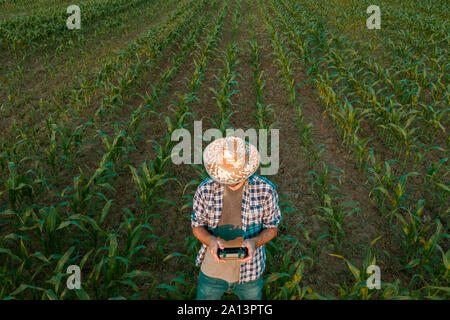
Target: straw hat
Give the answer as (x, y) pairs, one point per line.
(230, 160)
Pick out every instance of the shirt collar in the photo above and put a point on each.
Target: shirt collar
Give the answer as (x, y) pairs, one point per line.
(250, 180)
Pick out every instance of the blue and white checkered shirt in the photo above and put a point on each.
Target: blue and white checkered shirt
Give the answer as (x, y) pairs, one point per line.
(260, 210)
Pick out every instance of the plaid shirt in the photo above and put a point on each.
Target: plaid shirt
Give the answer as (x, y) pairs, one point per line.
(259, 210)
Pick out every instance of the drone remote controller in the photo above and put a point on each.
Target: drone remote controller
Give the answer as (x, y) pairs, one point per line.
(232, 253)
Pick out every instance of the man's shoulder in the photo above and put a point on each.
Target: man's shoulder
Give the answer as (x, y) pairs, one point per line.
(263, 183)
(260, 183)
(206, 185)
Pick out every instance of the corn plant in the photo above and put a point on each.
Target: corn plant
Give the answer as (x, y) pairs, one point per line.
(361, 151)
(51, 152)
(263, 112)
(92, 227)
(48, 229)
(421, 253)
(18, 186)
(115, 149)
(334, 215)
(350, 119)
(136, 235)
(321, 183)
(71, 142)
(181, 288)
(435, 184)
(85, 189)
(359, 290)
(312, 246)
(116, 270)
(286, 273)
(227, 81)
(236, 19)
(387, 186)
(148, 185)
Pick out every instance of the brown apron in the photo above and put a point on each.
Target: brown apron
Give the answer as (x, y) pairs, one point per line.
(229, 230)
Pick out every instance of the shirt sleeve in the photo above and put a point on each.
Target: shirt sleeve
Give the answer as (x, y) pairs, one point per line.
(272, 213)
(198, 216)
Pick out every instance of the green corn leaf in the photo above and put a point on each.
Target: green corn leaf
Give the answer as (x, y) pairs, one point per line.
(137, 273)
(22, 287)
(174, 254)
(82, 294)
(413, 263)
(275, 276)
(353, 269)
(63, 260)
(9, 253)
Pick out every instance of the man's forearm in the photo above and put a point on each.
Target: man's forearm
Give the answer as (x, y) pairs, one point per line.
(203, 235)
(265, 236)
(261, 239)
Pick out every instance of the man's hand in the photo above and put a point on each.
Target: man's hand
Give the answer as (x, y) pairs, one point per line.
(214, 245)
(261, 239)
(210, 241)
(250, 244)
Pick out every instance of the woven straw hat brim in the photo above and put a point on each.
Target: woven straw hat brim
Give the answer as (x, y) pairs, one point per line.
(250, 167)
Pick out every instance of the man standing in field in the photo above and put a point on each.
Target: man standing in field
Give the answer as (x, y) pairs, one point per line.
(233, 208)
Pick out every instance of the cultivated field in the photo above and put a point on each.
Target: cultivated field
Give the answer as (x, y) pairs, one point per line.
(86, 118)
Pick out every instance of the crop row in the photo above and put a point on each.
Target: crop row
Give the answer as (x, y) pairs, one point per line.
(387, 188)
(181, 112)
(39, 30)
(153, 41)
(110, 264)
(328, 201)
(350, 118)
